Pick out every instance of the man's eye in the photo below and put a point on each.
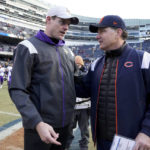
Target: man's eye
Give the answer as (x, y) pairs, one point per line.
(102, 31)
(61, 22)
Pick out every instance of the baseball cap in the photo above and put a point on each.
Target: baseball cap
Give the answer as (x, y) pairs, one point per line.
(62, 12)
(108, 21)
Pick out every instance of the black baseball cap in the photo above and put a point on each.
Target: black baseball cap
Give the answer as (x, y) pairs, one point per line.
(108, 21)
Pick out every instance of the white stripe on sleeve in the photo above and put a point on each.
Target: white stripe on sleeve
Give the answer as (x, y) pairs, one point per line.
(30, 46)
(146, 61)
(93, 64)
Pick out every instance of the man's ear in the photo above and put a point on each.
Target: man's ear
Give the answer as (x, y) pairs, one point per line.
(119, 31)
(48, 18)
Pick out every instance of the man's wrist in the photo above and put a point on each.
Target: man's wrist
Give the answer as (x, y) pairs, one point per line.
(38, 125)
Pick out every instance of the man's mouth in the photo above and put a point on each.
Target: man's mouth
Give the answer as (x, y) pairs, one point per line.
(100, 41)
(62, 32)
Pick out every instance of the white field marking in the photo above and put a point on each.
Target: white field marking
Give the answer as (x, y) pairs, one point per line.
(10, 130)
(7, 113)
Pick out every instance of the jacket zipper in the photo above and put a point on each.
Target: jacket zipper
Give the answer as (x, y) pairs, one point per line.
(98, 104)
(63, 93)
(116, 96)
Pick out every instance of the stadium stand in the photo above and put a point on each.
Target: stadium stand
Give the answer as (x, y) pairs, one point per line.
(20, 19)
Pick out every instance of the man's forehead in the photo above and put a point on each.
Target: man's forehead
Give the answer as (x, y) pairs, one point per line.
(106, 28)
(102, 28)
(67, 19)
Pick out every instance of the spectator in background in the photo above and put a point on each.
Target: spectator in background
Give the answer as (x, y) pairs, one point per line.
(2, 72)
(119, 86)
(81, 114)
(42, 84)
(9, 70)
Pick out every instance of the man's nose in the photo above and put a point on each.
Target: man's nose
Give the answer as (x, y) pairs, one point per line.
(66, 26)
(98, 36)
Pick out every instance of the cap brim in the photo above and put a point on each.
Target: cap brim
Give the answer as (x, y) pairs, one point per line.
(74, 20)
(94, 28)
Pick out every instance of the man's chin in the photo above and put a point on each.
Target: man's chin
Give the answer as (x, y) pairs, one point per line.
(101, 47)
(60, 37)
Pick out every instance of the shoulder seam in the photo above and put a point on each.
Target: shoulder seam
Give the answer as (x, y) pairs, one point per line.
(30, 46)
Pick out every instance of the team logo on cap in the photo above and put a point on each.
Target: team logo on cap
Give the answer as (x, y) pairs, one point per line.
(115, 23)
(128, 64)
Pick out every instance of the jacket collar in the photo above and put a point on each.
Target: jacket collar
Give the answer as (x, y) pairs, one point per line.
(43, 37)
(115, 52)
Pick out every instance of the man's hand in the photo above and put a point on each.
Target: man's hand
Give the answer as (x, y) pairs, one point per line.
(142, 142)
(47, 133)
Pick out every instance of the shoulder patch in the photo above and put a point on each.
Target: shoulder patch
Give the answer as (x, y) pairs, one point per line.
(94, 64)
(145, 61)
(68, 51)
(71, 53)
(30, 46)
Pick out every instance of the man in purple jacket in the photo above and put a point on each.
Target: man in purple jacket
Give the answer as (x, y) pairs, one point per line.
(42, 85)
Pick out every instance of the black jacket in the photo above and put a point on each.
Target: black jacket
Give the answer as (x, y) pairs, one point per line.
(42, 85)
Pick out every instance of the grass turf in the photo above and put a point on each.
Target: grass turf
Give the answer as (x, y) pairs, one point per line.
(6, 106)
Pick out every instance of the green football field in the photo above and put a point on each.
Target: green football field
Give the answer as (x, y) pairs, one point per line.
(8, 111)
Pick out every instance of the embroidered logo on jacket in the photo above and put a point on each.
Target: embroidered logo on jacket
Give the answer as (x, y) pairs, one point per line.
(65, 51)
(128, 64)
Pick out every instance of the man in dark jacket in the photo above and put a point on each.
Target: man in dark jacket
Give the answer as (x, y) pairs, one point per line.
(119, 86)
(42, 85)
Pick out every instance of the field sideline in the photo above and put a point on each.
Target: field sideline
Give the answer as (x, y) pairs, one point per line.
(9, 114)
